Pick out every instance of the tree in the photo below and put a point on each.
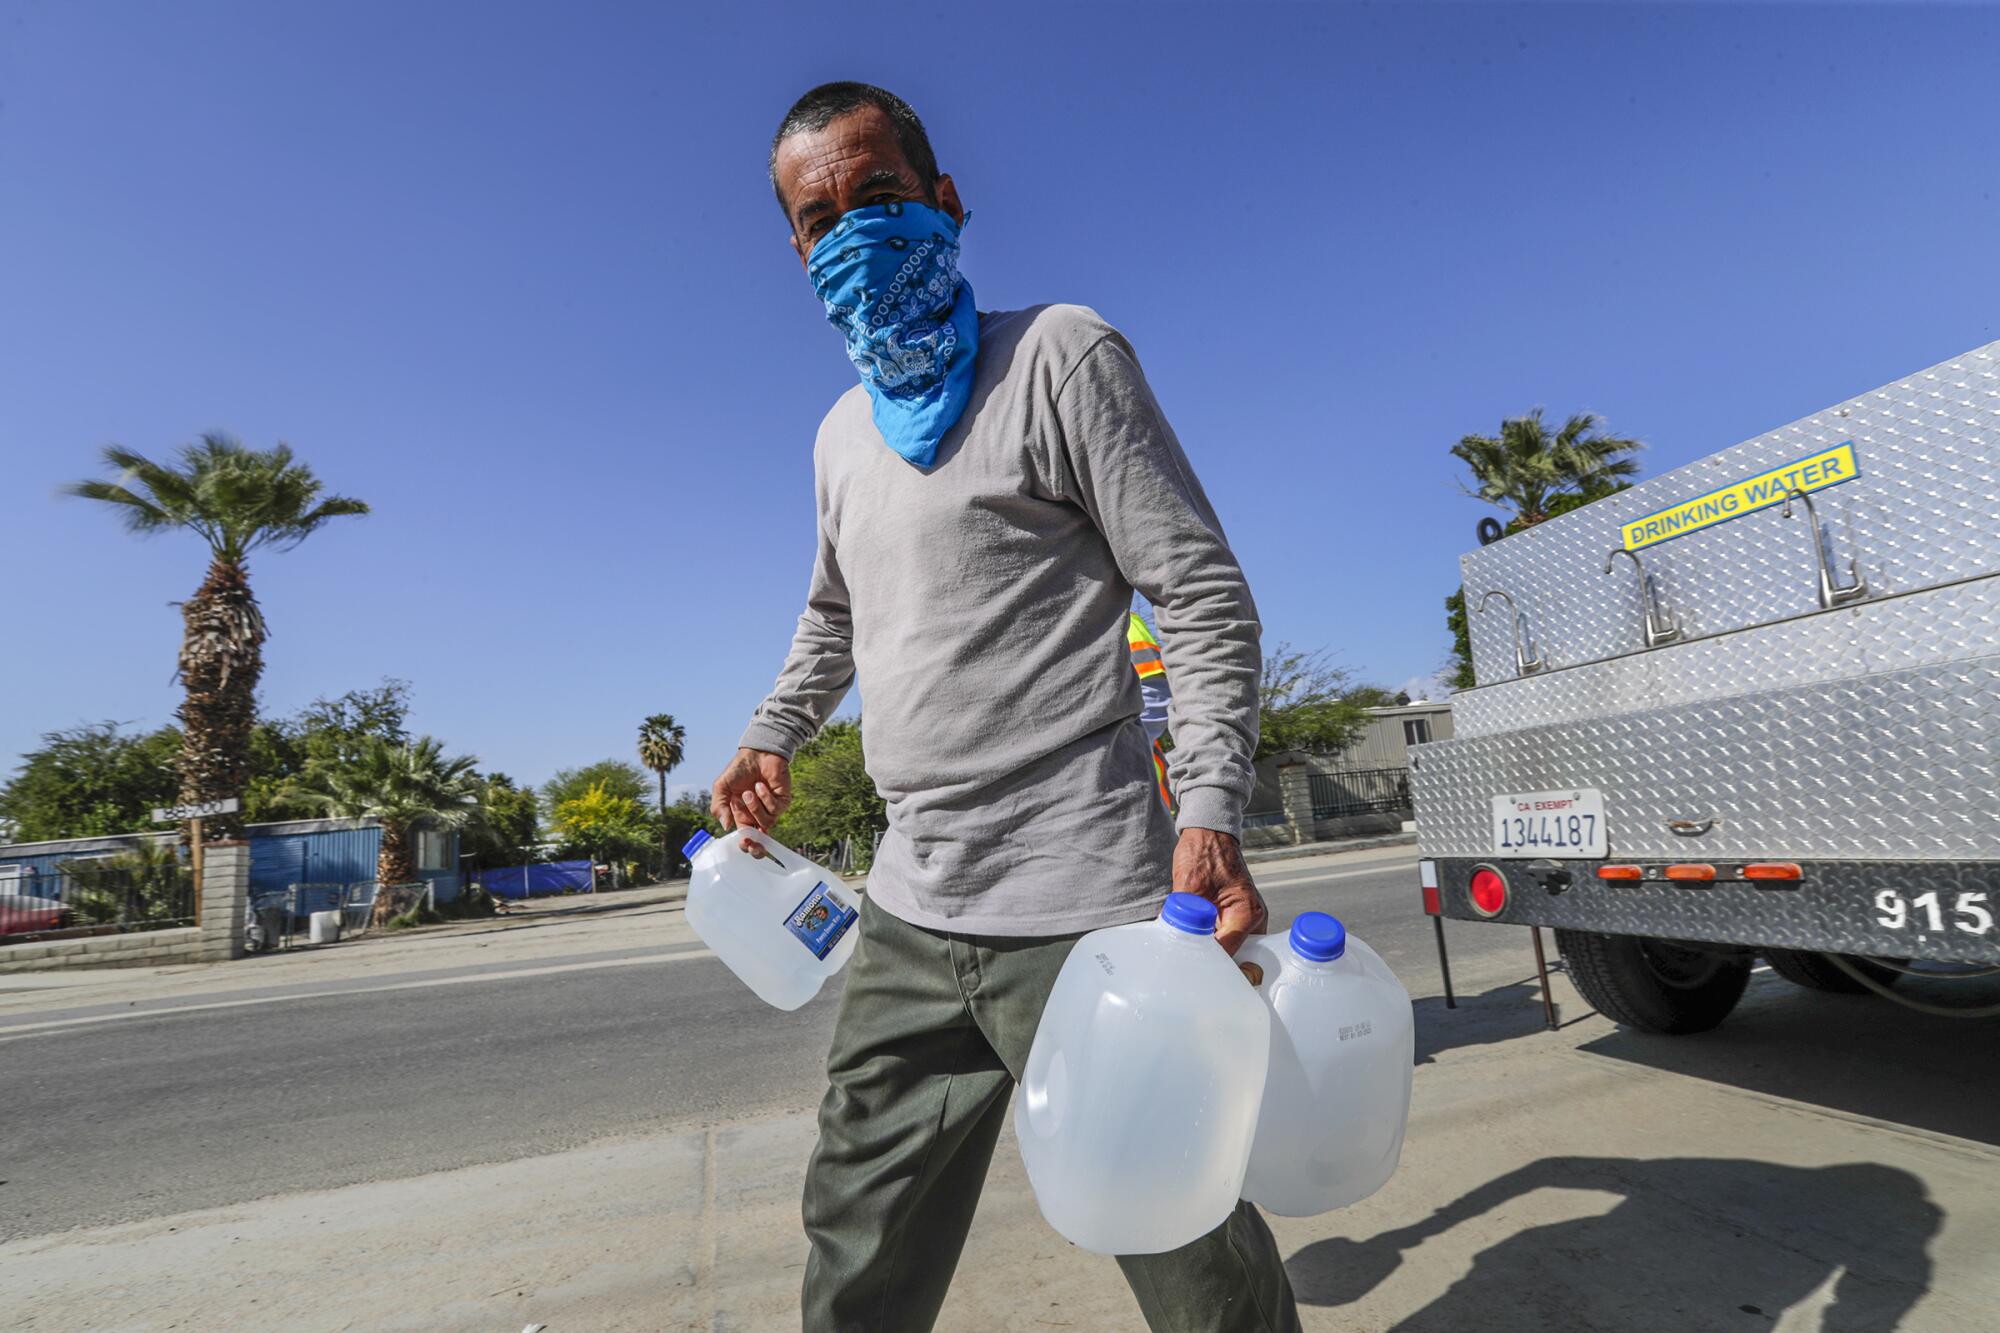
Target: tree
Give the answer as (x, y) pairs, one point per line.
(327, 730)
(662, 746)
(97, 779)
(1308, 703)
(144, 884)
(509, 819)
(1458, 668)
(405, 787)
(90, 780)
(833, 798)
(604, 824)
(238, 500)
(615, 775)
(678, 823)
(1524, 470)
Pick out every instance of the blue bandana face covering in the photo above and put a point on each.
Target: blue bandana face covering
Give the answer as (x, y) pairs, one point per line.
(889, 277)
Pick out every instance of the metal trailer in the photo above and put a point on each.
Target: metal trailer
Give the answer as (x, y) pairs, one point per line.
(1751, 706)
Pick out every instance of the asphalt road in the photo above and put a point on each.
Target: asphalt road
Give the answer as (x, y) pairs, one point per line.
(150, 1115)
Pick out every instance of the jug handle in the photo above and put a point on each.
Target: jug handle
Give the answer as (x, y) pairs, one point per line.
(763, 839)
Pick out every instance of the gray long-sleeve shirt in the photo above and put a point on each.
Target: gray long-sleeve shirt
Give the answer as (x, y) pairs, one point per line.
(982, 602)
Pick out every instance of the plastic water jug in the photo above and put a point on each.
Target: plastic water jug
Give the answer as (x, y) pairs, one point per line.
(1338, 1095)
(782, 924)
(1139, 1100)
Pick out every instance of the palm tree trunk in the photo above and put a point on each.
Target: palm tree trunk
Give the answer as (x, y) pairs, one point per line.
(221, 659)
(397, 863)
(394, 864)
(663, 823)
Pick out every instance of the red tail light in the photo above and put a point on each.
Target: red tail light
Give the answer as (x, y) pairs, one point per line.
(1691, 872)
(1771, 870)
(1621, 872)
(1488, 891)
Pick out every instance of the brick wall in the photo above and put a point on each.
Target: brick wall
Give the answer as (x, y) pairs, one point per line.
(145, 948)
(225, 893)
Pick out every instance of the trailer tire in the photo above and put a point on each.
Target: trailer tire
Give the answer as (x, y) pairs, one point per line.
(1653, 985)
(1816, 971)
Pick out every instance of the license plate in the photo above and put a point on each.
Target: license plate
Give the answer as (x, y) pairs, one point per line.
(1550, 823)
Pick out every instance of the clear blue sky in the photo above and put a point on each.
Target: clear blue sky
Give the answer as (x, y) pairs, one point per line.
(512, 274)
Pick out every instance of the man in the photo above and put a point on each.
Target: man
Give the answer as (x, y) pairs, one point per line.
(989, 496)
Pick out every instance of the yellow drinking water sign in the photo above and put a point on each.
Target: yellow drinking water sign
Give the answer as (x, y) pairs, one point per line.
(1815, 472)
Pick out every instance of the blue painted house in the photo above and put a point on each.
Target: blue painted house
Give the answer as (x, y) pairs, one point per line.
(302, 851)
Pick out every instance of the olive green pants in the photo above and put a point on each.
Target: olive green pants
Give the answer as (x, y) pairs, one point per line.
(932, 1032)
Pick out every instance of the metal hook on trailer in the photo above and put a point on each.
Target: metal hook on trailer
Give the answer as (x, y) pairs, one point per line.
(1831, 594)
(1523, 664)
(1662, 625)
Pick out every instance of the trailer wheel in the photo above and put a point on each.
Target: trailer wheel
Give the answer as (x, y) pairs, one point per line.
(1653, 985)
(1815, 971)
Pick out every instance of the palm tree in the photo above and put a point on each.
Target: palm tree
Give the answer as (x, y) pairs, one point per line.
(1527, 471)
(406, 787)
(144, 883)
(238, 500)
(662, 746)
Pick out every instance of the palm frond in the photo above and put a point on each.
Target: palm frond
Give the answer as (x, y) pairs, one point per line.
(407, 785)
(237, 499)
(662, 743)
(1526, 467)
(141, 515)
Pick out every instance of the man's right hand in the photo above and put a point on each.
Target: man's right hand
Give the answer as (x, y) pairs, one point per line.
(753, 791)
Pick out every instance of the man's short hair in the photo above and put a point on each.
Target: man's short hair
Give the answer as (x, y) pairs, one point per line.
(826, 103)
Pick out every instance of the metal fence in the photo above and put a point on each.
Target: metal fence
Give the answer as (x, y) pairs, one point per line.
(1361, 791)
(281, 918)
(846, 856)
(79, 899)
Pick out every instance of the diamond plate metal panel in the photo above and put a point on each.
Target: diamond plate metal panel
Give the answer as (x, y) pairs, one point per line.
(1895, 766)
(1832, 909)
(1941, 625)
(1920, 514)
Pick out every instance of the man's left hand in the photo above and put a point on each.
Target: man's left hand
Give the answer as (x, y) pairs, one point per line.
(1210, 864)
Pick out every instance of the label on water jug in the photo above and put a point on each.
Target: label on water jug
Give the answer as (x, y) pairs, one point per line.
(821, 919)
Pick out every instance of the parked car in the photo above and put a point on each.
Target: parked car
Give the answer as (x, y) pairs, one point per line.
(23, 914)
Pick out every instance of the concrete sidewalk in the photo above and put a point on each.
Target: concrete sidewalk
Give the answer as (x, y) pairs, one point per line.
(1545, 1185)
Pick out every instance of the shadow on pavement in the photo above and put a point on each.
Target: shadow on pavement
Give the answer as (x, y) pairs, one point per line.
(1691, 1243)
(557, 916)
(1853, 1053)
(1501, 1014)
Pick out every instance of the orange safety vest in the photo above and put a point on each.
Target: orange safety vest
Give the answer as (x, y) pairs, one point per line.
(1145, 648)
(1146, 660)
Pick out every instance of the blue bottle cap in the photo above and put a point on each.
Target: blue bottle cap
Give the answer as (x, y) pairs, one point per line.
(1189, 912)
(1317, 936)
(696, 843)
